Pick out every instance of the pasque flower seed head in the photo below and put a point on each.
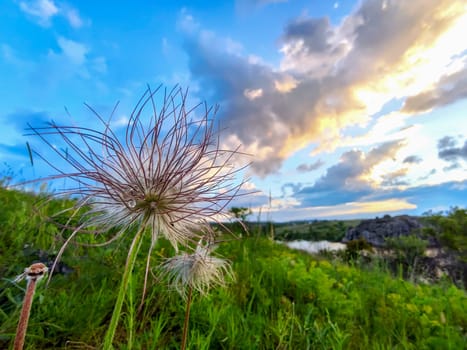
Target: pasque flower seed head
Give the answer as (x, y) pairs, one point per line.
(199, 271)
(168, 175)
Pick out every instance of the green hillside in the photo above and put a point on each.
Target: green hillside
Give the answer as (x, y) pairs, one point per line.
(279, 299)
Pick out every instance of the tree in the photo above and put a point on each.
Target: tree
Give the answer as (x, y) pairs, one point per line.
(240, 213)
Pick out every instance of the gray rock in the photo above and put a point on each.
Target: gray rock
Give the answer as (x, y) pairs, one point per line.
(376, 231)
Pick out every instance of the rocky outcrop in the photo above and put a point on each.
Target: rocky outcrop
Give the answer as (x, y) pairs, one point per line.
(435, 263)
(376, 231)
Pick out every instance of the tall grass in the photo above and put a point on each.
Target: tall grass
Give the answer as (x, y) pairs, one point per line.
(280, 299)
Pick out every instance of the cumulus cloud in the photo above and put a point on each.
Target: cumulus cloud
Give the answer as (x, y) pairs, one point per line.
(305, 168)
(313, 33)
(254, 199)
(73, 17)
(452, 166)
(448, 89)
(428, 196)
(75, 51)
(446, 142)
(387, 150)
(449, 151)
(331, 77)
(44, 10)
(395, 178)
(413, 159)
(246, 93)
(393, 200)
(426, 176)
(290, 188)
(312, 46)
(350, 179)
(48, 75)
(252, 94)
(366, 208)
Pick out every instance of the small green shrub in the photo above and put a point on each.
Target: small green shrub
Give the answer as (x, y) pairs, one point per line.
(407, 249)
(354, 249)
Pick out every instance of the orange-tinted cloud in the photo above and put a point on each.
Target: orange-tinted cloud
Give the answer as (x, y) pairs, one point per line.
(333, 77)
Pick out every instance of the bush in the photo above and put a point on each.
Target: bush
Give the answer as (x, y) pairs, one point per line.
(354, 249)
(407, 249)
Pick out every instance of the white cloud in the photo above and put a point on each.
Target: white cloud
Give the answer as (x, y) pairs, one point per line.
(186, 22)
(44, 10)
(253, 94)
(71, 63)
(120, 122)
(305, 168)
(286, 83)
(249, 186)
(347, 210)
(73, 18)
(75, 51)
(371, 207)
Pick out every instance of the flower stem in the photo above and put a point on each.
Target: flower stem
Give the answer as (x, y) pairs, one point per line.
(130, 263)
(25, 312)
(187, 318)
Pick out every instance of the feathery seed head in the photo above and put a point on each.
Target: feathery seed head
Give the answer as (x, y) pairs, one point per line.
(170, 176)
(199, 271)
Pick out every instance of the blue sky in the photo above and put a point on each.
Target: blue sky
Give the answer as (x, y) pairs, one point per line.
(349, 109)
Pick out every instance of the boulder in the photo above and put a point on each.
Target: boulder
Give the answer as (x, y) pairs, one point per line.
(376, 231)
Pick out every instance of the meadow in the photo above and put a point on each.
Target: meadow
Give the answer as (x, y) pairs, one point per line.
(279, 298)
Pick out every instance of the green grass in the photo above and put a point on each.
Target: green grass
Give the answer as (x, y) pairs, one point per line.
(280, 299)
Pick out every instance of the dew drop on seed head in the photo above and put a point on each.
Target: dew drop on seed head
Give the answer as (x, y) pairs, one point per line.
(131, 203)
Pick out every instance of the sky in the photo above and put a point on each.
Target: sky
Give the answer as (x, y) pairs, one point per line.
(349, 109)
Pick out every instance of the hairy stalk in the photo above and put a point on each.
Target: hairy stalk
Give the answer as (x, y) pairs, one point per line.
(130, 263)
(187, 317)
(25, 312)
(33, 274)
